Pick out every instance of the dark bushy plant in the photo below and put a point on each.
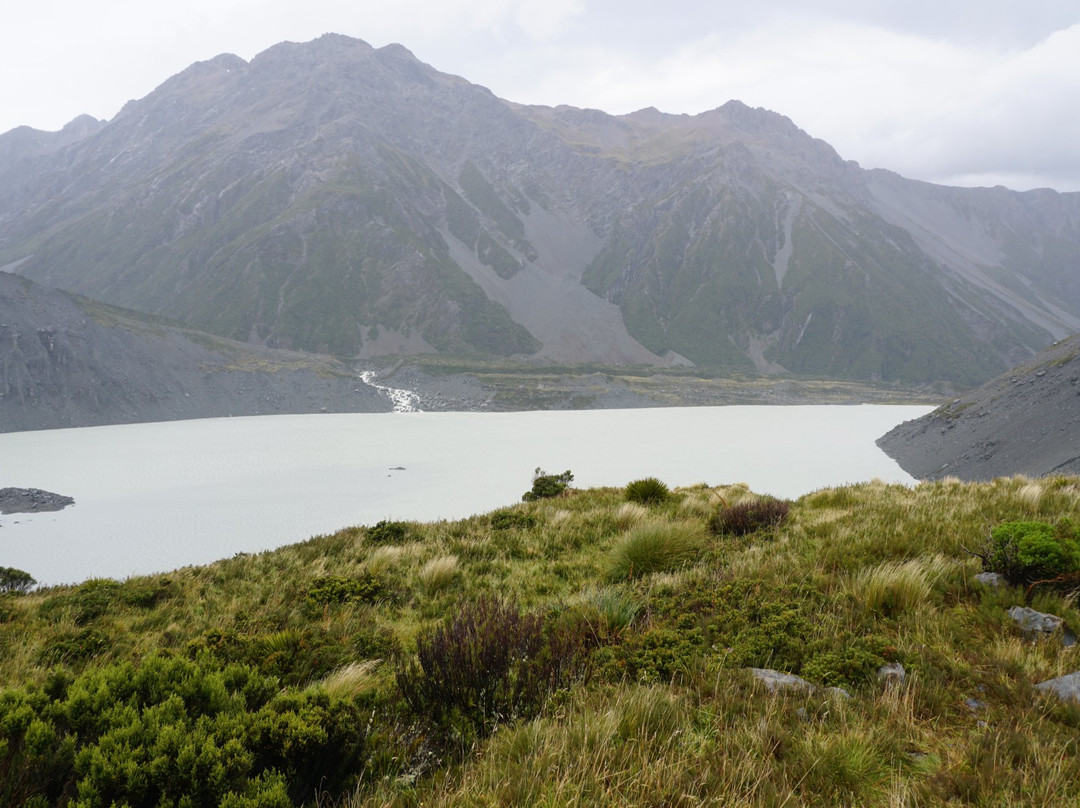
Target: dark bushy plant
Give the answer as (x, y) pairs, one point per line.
(385, 532)
(487, 665)
(547, 485)
(1029, 552)
(648, 491)
(749, 516)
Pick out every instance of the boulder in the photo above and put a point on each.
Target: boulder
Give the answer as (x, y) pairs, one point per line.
(1065, 687)
(1037, 625)
(991, 579)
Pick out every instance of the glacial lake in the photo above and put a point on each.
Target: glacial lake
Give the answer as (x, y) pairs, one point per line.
(155, 497)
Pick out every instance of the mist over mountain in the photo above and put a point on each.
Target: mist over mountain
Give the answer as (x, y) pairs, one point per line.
(334, 197)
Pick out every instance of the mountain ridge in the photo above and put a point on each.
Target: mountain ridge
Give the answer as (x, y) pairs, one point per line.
(337, 197)
(1025, 421)
(67, 361)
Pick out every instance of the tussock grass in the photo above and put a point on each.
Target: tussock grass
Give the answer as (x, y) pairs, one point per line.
(616, 606)
(630, 514)
(353, 679)
(438, 574)
(893, 587)
(667, 616)
(654, 547)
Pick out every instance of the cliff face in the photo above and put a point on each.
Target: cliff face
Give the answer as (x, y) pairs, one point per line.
(334, 197)
(68, 361)
(1026, 421)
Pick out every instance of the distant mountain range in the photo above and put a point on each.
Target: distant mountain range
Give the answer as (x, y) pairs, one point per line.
(333, 197)
(69, 361)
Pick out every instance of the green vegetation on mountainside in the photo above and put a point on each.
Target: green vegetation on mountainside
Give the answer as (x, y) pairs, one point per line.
(586, 648)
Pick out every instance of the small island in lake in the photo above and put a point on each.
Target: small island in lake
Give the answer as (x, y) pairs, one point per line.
(31, 500)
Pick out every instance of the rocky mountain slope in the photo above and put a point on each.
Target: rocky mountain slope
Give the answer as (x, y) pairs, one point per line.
(334, 197)
(1026, 421)
(69, 361)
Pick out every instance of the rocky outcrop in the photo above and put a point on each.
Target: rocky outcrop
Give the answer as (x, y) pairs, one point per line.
(32, 500)
(1025, 421)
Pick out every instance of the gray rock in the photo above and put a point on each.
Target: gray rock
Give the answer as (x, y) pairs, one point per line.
(31, 500)
(838, 692)
(1037, 625)
(992, 579)
(776, 681)
(1065, 687)
(892, 674)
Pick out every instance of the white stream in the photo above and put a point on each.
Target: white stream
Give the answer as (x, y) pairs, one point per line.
(403, 400)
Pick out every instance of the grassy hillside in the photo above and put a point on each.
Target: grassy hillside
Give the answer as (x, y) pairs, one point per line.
(581, 649)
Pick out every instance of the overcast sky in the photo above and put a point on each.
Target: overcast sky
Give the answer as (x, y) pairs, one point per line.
(965, 92)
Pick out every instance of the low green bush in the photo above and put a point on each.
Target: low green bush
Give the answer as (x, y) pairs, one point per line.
(336, 589)
(1029, 552)
(648, 491)
(385, 532)
(510, 520)
(177, 732)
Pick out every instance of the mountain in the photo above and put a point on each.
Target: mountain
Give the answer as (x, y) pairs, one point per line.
(334, 197)
(1026, 421)
(69, 361)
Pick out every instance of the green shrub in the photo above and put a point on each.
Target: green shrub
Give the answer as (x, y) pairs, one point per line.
(74, 647)
(294, 656)
(547, 485)
(170, 731)
(385, 532)
(750, 516)
(648, 491)
(335, 589)
(508, 520)
(653, 547)
(1029, 552)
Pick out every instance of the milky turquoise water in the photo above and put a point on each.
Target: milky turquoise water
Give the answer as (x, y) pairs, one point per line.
(154, 497)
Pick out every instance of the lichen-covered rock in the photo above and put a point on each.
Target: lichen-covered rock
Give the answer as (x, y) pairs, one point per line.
(892, 674)
(777, 681)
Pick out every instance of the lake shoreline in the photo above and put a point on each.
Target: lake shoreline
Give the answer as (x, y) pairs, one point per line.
(155, 497)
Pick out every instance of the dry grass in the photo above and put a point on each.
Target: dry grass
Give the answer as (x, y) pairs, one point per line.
(875, 563)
